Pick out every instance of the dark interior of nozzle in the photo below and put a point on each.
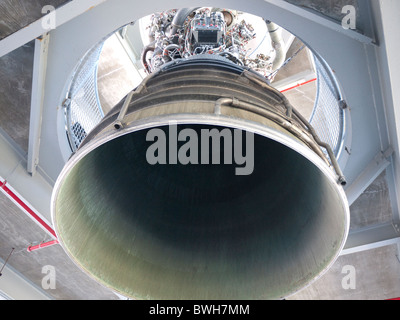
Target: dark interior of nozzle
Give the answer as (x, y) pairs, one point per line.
(199, 231)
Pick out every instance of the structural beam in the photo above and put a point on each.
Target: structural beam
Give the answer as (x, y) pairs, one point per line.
(42, 26)
(26, 207)
(34, 190)
(38, 85)
(372, 237)
(388, 23)
(370, 173)
(16, 287)
(393, 191)
(322, 20)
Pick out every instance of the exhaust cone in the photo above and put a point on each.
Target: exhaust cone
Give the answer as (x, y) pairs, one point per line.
(198, 230)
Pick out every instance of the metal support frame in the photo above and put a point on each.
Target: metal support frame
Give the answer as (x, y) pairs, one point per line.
(370, 173)
(35, 190)
(38, 86)
(322, 20)
(62, 15)
(389, 78)
(26, 208)
(16, 286)
(372, 237)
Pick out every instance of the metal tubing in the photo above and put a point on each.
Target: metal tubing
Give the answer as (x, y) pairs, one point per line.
(277, 43)
(118, 123)
(42, 245)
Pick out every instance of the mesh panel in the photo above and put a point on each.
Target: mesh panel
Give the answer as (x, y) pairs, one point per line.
(327, 117)
(84, 111)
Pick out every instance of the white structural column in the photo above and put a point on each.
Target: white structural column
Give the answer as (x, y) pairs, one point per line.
(38, 85)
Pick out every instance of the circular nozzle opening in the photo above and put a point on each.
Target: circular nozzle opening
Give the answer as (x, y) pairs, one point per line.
(173, 230)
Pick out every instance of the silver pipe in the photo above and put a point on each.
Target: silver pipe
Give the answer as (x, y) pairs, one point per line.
(275, 32)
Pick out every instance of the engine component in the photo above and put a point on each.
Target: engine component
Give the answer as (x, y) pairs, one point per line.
(207, 30)
(179, 34)
(150, 230)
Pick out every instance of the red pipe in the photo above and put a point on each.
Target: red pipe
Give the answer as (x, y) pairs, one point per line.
(14, 197)
(299, 85)
(42, 245)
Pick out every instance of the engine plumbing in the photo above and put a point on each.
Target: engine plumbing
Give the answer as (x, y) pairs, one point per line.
(180, 34)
